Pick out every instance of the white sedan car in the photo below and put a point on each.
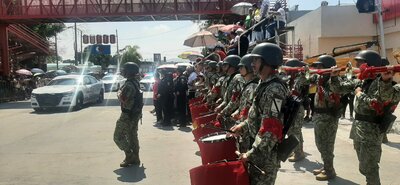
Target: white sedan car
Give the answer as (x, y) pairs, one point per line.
(68, 91)
(113, 82)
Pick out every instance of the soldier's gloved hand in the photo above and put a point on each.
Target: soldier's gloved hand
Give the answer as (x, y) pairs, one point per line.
(243, 157)
(236, 130)
(358, 91)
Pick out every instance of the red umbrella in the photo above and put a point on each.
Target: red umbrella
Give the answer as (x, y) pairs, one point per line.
(229, 28)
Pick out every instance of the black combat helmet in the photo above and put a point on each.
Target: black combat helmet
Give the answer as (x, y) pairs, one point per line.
(131, 68)
(327, 61)
(246, 62)
(385, 62)
(270, 53)
(212, 64)
(232, 60)
(294, 62)
(372, 58)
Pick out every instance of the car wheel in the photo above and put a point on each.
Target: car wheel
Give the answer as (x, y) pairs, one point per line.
(101, 97)
(79, 102)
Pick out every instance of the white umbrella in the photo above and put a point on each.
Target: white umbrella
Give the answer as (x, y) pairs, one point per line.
(200, 39)
(241, 8)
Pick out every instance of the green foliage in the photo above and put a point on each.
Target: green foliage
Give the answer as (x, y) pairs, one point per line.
(47, 30)
(53, 59)
(131, 54)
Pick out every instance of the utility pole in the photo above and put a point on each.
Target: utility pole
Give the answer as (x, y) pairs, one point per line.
(82, 47)
(382, 31)
(56, 52)
(76, 45)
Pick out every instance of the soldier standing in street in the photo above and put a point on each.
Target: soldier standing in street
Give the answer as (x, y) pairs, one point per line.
(246, 98)
(376, 100)
(326, 120)
(131, 99)
(265, 122)
(233, 87)
(180, 92)
(216, 91)
(299, 88)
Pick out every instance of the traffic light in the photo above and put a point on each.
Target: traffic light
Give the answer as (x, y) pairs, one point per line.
(85, 39)
(365, 6)
(112, 39)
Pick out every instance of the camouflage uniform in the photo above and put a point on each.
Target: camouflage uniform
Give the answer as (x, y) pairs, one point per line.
(231, 98)
(366, 135)
(326, 120)
(264, 153)
(216, 91)
(125, 134)
(245, 102)
(211, 80)
(301, 86)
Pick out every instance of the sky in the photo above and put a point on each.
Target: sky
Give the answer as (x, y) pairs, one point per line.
(165, 37)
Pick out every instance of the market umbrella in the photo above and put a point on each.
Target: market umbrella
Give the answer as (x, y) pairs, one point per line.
(241, 8)
(191, 55)
(24, 72)
(229, 28)
(202, 38)
(214, 28)
(37, 70)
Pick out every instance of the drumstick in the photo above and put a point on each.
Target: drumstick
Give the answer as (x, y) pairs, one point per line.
(252, 164)
(216, 128)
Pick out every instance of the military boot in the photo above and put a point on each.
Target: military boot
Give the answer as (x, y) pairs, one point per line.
(318, 171)
(126, 161)
(326, 175)
(297, 156)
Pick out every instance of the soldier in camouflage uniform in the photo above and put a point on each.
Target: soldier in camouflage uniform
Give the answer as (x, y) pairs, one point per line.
(233, 87)
(265, 122)
(299, 87)
(125, 134)
(216, 91)
(246, 98)
(326, 120)
(374, 103)
(211, 75)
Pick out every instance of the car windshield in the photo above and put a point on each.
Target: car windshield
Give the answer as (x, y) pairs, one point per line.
(65, 81)
(109, 78)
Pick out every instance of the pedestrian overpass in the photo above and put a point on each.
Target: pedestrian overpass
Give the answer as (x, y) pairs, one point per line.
(66, 11)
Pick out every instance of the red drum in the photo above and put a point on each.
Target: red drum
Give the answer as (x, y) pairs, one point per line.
(203, 131)
(223, 173)
(195, 100)
(216, 147)
(197, 110)
(204, 119)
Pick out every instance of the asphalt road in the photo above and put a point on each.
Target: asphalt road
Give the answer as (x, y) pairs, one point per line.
(58, 147)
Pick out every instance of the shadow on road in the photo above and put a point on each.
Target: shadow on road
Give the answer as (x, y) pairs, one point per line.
(115, 102)
(131, 174)
(166, 128)
(306, 164)
(16, 105)
(393, 144)
(185, 129)
(340, 181)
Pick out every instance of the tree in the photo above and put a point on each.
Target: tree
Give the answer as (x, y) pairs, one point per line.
(47, 30)
(131, 54)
